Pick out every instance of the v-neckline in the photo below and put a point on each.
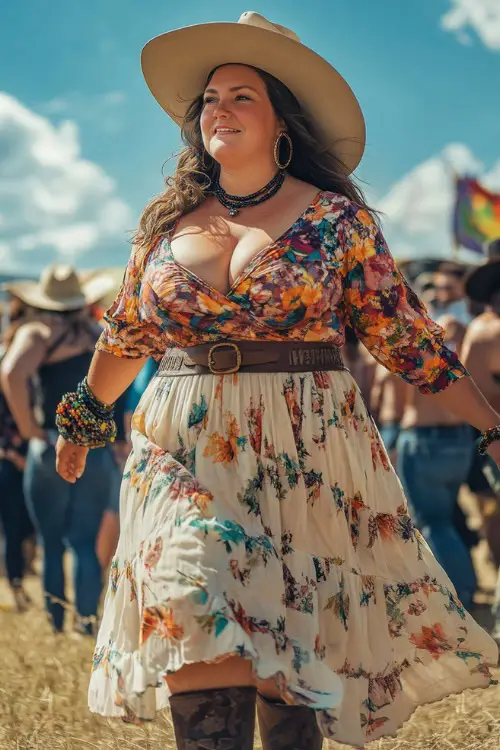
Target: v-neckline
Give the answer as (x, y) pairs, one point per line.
(246, 271)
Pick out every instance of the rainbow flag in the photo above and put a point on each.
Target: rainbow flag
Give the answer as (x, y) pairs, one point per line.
(477, 215)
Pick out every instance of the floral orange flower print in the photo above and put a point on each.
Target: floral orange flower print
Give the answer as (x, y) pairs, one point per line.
(153, 554)
(225, 449)
(297, 290)
(159, 620)
(432, 639)
(260, 515)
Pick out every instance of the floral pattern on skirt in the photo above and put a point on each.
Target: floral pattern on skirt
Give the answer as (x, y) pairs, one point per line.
(260, 516)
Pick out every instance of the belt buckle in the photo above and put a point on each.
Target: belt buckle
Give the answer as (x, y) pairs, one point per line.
(229, 370)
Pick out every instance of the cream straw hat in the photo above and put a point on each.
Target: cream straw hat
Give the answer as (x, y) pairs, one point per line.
(176, 66)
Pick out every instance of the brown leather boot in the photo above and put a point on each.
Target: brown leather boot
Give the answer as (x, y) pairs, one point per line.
(218, 719)
(284, 727)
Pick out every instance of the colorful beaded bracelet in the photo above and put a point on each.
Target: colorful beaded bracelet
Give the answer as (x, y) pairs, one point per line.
(487, 438)
(83, 419)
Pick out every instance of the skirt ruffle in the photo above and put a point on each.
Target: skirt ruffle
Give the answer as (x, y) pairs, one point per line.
(260, 517)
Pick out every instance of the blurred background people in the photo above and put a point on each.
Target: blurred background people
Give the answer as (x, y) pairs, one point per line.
(481, 355)
(52, 349)
(17, 527)
(434, 454)
(387, 404)
(449, 296)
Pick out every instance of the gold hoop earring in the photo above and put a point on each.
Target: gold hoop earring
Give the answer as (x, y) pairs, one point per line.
(277, 144)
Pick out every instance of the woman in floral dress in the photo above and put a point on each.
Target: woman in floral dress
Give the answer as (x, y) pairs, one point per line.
(266, 553)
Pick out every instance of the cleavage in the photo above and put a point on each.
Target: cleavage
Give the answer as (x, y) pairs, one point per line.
(219, 260)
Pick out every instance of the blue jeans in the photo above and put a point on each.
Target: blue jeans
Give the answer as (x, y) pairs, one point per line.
(433, 463)
(16, 523)
(69, 515)
(389, 432)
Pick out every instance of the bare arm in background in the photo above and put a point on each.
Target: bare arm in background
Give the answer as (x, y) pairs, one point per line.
(108, 378)
(465, 400)
(22, 360)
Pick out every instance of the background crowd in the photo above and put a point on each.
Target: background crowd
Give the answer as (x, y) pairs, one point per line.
(50, 330)
(48, 336)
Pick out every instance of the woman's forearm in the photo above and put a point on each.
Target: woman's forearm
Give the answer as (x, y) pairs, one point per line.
(464, 399)
(110, 376)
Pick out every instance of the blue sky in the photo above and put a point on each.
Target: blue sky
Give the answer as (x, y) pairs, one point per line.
(83, 142)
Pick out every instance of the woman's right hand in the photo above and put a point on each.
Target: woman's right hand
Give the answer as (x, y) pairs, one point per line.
(70, 460)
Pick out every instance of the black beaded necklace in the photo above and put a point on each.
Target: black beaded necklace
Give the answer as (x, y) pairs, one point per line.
(234, 203)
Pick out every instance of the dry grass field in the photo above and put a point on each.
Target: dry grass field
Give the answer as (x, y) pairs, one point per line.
(43, 686)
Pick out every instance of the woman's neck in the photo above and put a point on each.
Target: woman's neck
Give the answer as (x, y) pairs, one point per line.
(243, 182)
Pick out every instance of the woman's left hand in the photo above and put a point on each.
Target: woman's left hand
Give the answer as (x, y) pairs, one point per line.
(70, 460)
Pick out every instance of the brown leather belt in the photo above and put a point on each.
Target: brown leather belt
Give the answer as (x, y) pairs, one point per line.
(226, 357)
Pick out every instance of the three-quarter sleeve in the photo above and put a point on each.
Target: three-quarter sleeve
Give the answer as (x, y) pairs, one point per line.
(385, 313)
(131, 328)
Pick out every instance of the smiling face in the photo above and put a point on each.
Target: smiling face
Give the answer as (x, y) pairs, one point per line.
(237, 121)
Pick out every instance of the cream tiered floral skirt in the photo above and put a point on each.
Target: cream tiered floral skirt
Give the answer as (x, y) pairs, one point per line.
(260, 516)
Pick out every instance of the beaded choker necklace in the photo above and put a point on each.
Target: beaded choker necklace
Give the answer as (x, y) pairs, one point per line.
(234, 203)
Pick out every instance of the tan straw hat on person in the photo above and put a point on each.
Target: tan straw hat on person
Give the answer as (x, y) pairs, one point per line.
(59, 289)
(176, 66)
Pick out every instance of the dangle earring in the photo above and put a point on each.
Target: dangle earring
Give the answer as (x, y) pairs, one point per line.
(277, 145)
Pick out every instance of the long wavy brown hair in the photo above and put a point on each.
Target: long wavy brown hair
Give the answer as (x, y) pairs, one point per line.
(196, 170)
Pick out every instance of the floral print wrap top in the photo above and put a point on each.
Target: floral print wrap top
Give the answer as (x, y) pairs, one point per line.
(330, 269)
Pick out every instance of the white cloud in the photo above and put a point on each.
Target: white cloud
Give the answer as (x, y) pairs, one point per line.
(76, 103)
(483, 16)
(113, 98)
(417, 210)
(54, 203)
(101, 111)
(55, 106)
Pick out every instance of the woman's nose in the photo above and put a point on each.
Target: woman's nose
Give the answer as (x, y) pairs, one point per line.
(220, 109)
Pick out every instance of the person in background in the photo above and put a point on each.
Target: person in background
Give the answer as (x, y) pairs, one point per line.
(16, 523)
(359, 362)
(388, 393)
(449, 293)
(434, 454)
(425, 284)
(481, 354)
(51, 348)
(387, 404)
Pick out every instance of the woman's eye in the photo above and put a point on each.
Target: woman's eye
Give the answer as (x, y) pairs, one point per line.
(243, 96)
(208, 100)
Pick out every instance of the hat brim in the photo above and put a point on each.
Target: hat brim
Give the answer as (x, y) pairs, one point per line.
(483, 281)
(33, 295)
(176, 66)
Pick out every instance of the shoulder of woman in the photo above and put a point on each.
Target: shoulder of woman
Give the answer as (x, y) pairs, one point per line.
(35, 330)
(338, 209)
(27, 349)
(340, 204)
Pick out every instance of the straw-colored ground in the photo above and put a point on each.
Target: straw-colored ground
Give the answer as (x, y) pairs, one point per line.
(43, 685)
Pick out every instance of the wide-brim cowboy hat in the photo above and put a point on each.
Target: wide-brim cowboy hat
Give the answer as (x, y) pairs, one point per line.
(60, 289)
(484, 281)
(176, 66)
